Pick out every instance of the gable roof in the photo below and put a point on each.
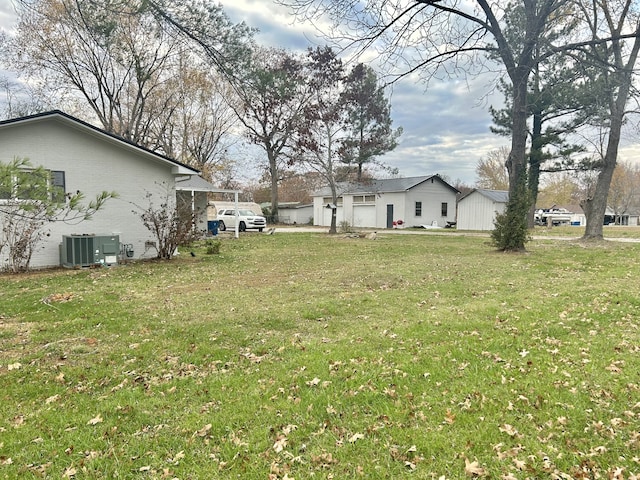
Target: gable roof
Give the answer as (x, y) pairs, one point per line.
(497, 196)
(58, 115)
(389, 185)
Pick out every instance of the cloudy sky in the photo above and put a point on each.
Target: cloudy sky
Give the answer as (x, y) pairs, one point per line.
(446, 126)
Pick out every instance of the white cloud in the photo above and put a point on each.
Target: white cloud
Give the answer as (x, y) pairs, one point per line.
(7, 15)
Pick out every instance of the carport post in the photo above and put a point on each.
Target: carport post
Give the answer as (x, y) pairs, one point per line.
(237, 217)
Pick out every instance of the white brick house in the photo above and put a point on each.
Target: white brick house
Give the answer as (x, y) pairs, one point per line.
(90, 160)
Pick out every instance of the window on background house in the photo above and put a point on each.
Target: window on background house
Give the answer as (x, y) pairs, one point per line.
(364, 199)
(327, 200)
(444, 208)
(418, 209)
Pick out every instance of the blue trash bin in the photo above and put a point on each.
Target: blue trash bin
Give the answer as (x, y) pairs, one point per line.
(212, 226)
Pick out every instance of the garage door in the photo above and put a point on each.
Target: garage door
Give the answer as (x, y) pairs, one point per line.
(364, 216)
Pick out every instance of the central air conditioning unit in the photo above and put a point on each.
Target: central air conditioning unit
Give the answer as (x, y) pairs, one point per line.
(77, 251)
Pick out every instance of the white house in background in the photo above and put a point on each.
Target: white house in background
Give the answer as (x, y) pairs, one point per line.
(88, 159)
(477, 209)
(294, 213)
(414, 201)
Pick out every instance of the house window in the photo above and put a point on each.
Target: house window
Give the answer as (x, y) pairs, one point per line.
(444, 209)
(58, 187)
(364, 199)
(327, 200)
(37, 184)
(418, 209)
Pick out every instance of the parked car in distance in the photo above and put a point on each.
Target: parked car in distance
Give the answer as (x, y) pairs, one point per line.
(246, 218)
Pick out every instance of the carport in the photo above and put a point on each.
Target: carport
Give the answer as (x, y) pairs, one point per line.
(194, 190)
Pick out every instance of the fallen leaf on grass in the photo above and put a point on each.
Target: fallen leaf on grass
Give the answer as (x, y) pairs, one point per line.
(69, 472)
(613, 368)
(58, 297)
(204, 431)
(314, 382)
(14, 366)
(473, 469)
(289, 428)
(95, 420)
(449, 417)
(520, 465)
(509, 430)
(17, 421)
(280, 444)
(179, 456)
(324, 460)
(355, 437)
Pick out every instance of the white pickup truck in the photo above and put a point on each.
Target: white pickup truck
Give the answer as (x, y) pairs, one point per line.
(246, 218)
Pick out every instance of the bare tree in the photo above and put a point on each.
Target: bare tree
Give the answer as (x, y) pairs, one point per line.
(624, 192)
(138, 78)
(273, 94)
(492, 172)
(612, 63)
(195, 124)
(113, 59)
(559, 189)
(318, 143)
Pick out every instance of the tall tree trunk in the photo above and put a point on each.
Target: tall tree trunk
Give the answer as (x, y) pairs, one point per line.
(595, 207)
(517, 161)
(535, 159)
(334, 209)
(273, 171)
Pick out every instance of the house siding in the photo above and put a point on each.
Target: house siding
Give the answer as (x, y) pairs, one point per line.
(432, 195)
(477, 212)
(92, 163)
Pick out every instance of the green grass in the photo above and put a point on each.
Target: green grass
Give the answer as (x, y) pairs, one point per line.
(313, 356)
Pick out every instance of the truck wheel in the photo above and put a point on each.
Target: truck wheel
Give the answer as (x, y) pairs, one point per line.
(243, 227)
(221, 226)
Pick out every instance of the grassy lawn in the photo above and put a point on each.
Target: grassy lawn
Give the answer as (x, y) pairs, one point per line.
(297, 356)
(609, 231)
